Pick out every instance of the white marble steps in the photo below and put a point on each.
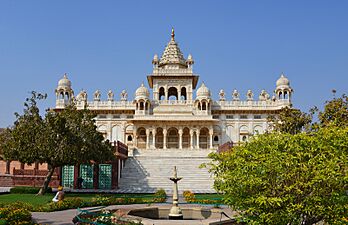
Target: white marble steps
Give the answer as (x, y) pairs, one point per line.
(150, 170)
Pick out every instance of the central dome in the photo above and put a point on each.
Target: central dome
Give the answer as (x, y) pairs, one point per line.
(172, 54)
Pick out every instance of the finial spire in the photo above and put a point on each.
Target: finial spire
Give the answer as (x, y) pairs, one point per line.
(65, 76)
(173, 34)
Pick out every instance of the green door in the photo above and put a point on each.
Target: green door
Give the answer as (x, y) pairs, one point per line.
(105, 171)
(86, 172)
(68, 176)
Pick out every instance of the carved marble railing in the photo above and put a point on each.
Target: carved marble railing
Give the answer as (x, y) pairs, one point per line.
(250, 105)
(105, 105)
(173, 102)
(160, 71)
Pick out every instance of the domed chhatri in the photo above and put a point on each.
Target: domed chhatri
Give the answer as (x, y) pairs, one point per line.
(142, 92)
(283, 90)
(203, 91)
(64, 82)
(64, 92)
(283, 81)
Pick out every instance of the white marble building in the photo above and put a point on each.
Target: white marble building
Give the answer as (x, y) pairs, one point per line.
(178, 116)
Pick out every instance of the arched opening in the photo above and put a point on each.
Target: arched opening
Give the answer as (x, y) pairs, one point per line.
(204, 106)
(146, 105)
(258, 130)
(216, 138)
(141, 132)
(61, 95)
(183, 94)
(280, 95)
(129, 138)
(159, 138)
(286, 95)
(203, 138)
(173, 138)
(243, 133)
(172, 93)
(141, 106)
(67, 96)
(199, 105)
(161, 94)
(186, 138)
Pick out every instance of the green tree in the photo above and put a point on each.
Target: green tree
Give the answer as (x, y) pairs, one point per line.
(290, 120)
(279, 178)
(61, 138)
(335, 112)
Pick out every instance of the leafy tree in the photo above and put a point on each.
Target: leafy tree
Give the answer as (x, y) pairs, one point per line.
(335, 112)
(279, 178)
(61, 138)
(290, 120)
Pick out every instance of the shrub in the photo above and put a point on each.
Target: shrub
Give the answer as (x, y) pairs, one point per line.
(28, 190)
(160, 196)
(189, 196)
(66, 204)
(16, 213)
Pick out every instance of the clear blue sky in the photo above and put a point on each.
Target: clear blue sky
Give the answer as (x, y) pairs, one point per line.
(110, 44)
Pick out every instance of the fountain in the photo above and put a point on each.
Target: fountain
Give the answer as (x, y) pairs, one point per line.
(160, 214)
(175, 212)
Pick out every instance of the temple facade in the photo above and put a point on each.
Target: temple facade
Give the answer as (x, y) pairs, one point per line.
(178, 115)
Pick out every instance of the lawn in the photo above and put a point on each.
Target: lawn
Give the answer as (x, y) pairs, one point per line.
(209, 196)
(38, 200)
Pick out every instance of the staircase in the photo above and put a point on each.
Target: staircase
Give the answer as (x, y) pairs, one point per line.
(149, 170)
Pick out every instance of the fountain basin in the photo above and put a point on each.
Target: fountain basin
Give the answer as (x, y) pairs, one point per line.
(204, 215)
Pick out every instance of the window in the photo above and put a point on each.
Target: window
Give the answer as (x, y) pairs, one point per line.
(244, 138)
(102, 116)
(129, 138)
(229, 117)
(129, 116)
(216, 138)
(216, 116)
(257, 117)
(243, 116)
(116, 116)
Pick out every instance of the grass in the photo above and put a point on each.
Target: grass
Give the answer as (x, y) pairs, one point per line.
(209, 196)
(40, 200)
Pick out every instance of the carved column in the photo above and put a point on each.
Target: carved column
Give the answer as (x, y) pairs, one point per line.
(191, 139)
(147, 138)
(154, 138)
(166, 93)
(197, 137)
(179, 93)
(180, 138)
(211, 132)
(164, 138)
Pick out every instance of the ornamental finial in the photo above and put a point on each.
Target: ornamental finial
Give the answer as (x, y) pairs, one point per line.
(173, 34)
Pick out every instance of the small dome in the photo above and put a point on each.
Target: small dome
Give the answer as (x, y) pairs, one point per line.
(64, 82)
(203, 91)
(142, 92)
(283, 81)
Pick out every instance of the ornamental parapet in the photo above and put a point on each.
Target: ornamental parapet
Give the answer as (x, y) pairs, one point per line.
(250, 105)
(173, 72)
